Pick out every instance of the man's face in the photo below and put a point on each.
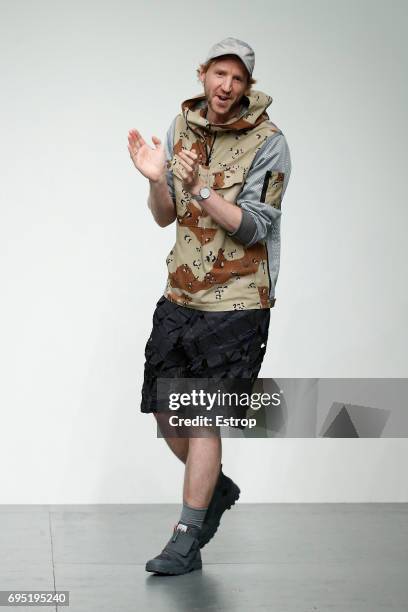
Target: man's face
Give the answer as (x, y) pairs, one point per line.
(224, 85)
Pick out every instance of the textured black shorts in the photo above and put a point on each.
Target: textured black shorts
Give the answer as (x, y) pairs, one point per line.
(191, 343)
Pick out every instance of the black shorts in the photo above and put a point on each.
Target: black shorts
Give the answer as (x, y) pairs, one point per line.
(191, 343)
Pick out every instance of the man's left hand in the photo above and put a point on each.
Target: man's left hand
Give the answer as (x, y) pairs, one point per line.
(191, 181)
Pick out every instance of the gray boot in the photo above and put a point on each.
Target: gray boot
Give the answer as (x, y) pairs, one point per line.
(225, 495)
(181, 553)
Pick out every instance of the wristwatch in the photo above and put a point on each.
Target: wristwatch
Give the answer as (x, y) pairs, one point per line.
(204, 194)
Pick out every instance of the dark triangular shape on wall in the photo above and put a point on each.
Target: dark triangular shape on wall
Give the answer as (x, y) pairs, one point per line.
(341, 427)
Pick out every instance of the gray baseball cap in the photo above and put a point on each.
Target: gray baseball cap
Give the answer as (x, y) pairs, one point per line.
(234, 46)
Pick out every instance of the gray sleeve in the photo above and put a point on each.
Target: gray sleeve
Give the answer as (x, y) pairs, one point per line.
(168, 149)
(261, 196)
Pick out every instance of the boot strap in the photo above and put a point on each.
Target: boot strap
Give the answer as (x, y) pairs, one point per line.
(181, 543)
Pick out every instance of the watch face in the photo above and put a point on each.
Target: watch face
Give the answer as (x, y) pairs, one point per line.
(205, 192)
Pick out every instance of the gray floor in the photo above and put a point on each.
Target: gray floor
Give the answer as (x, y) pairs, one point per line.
(275, 557)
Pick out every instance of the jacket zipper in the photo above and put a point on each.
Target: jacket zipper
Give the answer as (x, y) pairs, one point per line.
(211, 149)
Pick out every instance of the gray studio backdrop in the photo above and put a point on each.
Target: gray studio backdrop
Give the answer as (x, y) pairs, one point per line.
(83, 264)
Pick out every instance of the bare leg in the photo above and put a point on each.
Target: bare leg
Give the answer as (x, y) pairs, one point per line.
(202, 470)
(179, 446)
(202, 457)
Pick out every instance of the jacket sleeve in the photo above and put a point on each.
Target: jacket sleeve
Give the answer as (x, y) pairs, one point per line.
(261, 195)
(168, 149)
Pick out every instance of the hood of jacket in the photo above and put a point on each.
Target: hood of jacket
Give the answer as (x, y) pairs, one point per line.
(252, 113)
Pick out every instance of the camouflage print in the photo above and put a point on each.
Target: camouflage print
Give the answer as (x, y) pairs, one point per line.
(207, 268)
(272, 189)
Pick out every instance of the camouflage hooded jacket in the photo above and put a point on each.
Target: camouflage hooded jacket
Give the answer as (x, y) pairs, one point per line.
(247, 162)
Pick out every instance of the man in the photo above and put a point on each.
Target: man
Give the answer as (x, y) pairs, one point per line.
(222, 174)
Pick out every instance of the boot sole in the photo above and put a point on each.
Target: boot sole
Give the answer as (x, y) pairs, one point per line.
(162, 568)
(232, 498)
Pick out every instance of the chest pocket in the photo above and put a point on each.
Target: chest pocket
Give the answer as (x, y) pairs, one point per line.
(223, 179)
(228, 183)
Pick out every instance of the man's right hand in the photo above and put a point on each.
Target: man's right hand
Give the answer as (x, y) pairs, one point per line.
(150, 162)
